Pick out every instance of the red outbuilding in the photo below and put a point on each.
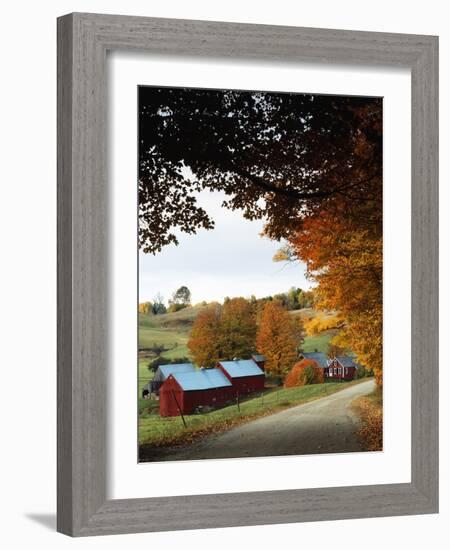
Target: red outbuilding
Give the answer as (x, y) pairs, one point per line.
(260, 360)
(188, 391)
(342, 368)
(245, 375)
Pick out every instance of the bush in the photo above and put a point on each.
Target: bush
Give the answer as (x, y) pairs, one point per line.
(153, 365)
(173, 308)
(304, 372)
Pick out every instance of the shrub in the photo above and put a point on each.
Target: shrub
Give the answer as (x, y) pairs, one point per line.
(361, 372)
(174, 307)
(304, 372)
(153, 365)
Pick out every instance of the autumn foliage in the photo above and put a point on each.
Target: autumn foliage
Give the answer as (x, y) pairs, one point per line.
(346, 261)
(237, 329)
(370, 410)
(309, 166)
(321, 322)
(145, 308)
(279, 337)
(341, 245)
(204, 342)
(306, 371)
(223, 332)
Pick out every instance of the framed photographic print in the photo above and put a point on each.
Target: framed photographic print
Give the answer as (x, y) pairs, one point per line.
(247, 274)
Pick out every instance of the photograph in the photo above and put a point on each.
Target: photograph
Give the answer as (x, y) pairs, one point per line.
(260, 249)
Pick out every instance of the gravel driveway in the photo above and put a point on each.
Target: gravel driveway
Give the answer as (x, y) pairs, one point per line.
(326, 425)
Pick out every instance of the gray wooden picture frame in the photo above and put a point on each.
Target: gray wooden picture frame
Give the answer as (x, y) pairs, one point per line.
(83, 41)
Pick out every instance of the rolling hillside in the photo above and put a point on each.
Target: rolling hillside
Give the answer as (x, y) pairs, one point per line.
(170, 331)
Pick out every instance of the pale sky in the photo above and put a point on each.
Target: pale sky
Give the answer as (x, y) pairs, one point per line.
(229, 260)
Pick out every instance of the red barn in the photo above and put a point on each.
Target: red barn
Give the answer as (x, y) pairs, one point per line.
(245, 375)
(184, 392)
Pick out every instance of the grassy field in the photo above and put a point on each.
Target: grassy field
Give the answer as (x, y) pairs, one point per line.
(319, 342)
(170, 331)
(157, 431)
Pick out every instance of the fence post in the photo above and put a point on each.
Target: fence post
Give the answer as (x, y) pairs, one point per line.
(179, 409)
(237, 401)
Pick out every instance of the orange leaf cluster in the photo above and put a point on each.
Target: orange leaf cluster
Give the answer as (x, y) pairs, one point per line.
(279, 337)
(320, 323)
(223, 332)
(306, 371)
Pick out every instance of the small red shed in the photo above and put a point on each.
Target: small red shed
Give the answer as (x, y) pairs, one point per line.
(245, 375)
(260, 360)
(184, 392)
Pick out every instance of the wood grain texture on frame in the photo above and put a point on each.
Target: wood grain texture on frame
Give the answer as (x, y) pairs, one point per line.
(83, 241)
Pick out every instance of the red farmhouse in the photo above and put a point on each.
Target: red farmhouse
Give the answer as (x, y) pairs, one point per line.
(342, 368)
(184, 392)
(245, 375)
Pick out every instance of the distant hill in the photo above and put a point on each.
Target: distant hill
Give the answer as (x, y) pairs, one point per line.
(171, 331)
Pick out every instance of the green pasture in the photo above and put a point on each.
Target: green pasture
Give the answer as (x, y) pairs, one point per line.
(319, 342)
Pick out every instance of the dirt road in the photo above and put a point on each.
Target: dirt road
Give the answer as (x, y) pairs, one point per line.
(326, 425)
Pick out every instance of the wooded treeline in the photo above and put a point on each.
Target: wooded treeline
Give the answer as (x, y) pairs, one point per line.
(239, 327)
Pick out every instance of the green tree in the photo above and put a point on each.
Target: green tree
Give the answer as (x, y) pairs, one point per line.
(158, 304)
(182, 296)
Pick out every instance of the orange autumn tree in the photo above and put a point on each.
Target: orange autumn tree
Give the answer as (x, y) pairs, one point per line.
(306, 371)
(345, 259)
(223, 332)
(339, 239)
(279, 337)
(205, 336)
(145, 308)
(237, 329)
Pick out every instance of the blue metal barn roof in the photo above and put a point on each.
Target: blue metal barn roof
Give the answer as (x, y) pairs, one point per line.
(203, 379)
(259, 358)
(167, 370)
(241, 367)
(347, 361)
(318, 356)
